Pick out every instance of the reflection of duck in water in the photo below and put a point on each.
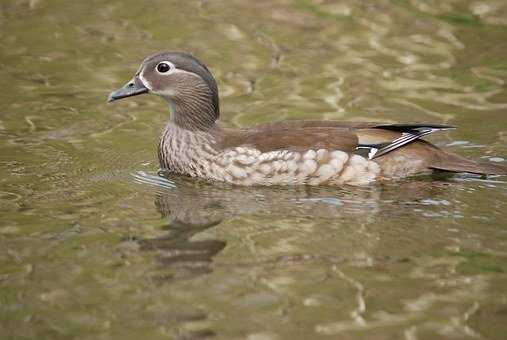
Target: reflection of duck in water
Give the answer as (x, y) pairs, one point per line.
(295, 152)
(187, 202)
(177, 250)
(194, 208)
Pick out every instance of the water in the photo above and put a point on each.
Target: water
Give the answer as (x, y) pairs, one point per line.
(93, 245)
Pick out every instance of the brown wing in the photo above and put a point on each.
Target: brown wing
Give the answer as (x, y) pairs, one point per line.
(298, 136)
(314, 134)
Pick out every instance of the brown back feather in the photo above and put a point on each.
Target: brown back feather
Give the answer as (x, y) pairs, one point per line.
(272, 137)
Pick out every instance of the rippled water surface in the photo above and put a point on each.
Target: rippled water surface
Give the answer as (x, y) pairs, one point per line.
(93, 245)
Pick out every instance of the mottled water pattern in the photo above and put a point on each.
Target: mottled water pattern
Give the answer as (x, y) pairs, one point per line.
(95, 245)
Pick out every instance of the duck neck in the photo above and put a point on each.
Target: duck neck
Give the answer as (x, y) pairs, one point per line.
(194, 108)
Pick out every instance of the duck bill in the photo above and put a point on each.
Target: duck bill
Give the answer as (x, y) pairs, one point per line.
(132, 88)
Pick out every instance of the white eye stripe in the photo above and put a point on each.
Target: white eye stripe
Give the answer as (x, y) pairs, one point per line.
(165, 67)
(145, 82)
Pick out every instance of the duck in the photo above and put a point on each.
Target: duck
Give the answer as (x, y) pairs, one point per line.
(295, 152)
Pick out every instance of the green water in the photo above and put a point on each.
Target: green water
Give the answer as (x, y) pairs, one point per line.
(92, 246)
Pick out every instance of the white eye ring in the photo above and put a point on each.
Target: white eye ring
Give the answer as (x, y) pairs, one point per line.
(165, 67)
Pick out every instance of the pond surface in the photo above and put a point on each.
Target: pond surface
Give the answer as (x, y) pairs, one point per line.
(93, 245)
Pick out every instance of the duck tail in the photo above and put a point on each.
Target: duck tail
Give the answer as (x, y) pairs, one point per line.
(450, 162)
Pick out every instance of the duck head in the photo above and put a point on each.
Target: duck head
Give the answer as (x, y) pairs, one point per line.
(184, 82)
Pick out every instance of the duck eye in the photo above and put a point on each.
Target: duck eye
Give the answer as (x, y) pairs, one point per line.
(163, 67)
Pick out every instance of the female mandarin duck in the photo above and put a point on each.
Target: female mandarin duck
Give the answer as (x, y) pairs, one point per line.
(291, 152)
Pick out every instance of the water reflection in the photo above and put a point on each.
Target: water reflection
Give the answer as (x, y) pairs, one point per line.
(193, 209)
(176, 250)
(196, 202)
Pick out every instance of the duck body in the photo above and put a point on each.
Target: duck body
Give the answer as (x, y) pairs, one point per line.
(208, 155)
(280, 153)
